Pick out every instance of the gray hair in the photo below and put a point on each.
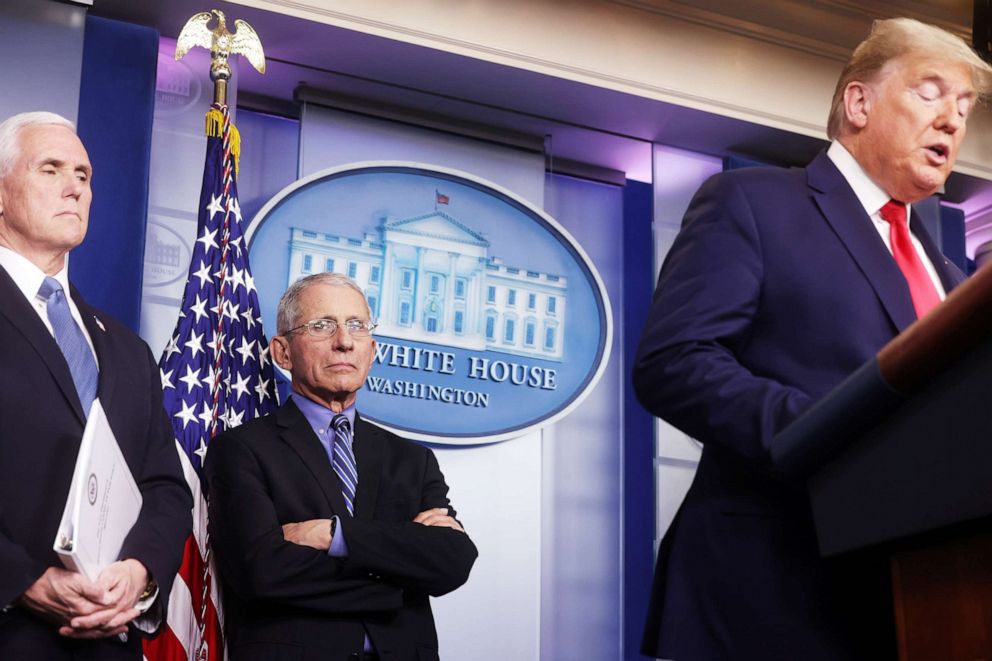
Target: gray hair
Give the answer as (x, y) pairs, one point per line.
(893, 38)
(10, 149)
(288, 312)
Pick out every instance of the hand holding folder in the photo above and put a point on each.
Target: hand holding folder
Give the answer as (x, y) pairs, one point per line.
(103, 503)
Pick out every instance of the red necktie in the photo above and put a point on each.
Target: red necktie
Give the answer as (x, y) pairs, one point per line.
(921, 289)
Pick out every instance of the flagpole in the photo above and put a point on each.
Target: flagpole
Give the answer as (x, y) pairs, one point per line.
(204, 341)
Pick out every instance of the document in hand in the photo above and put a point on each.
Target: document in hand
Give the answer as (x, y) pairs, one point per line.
(103, 502)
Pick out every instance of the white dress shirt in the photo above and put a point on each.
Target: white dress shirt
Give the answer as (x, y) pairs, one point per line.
(28, 279)
(873, 198)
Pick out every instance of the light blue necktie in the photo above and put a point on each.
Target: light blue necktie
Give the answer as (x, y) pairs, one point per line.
(344, 460)
(71, 340)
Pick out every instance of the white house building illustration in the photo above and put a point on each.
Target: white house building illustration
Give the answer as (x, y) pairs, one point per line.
(430, 278)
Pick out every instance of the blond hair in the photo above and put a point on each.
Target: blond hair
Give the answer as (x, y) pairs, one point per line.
(893, 38)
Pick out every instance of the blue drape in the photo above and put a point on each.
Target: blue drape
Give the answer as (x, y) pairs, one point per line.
(116, 104)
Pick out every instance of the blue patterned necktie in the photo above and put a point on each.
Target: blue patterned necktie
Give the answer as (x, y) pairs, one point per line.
(344, 460)
(71, 340)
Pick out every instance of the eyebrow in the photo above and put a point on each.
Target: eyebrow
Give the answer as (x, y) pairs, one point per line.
(335, 319)
(60, 164)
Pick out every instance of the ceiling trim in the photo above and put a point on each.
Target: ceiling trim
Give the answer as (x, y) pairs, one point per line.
(863, 10)
(873, 9)
(740, 27)
(548, 67)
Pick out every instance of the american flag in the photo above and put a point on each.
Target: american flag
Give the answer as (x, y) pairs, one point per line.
(216, 374)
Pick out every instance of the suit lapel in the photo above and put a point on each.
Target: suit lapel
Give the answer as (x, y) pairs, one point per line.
(102, 341)
(297, 433)
(843, 211)
(369, 446)
(22, 317)
(949, 276)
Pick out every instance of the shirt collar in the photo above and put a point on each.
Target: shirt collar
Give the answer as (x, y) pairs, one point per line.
(871, 196)
(27, 276)
(318, 415)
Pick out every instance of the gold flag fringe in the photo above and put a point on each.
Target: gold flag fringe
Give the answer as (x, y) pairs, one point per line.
(215, 129)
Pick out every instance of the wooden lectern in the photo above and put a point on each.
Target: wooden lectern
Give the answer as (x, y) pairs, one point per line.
(900, 455)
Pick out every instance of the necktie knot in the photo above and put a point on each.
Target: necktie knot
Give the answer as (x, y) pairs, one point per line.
(894, 211)
(340, 424)
(49, 287)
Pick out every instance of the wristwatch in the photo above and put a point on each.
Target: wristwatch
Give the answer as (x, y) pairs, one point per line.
(150, 589)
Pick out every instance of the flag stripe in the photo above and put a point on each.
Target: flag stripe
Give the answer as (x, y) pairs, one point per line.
(182, 624)
(215, 375)
(165, 647)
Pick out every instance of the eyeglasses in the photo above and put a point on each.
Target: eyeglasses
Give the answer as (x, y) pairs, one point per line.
(324, 329)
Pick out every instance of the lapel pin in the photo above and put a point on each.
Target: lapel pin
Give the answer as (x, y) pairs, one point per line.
(99, 323)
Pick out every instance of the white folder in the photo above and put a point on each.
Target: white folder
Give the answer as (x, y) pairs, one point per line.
(103, 503)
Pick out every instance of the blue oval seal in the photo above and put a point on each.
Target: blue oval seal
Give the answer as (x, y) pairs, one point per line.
(492, 319)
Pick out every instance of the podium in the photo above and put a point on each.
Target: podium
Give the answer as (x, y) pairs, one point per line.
(899, 457)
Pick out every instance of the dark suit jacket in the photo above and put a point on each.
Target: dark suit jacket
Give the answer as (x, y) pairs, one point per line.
(777, 288)
(289, 601)
(41, 424)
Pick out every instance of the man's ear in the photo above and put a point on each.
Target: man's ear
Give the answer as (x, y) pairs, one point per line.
(279, 348)
(857, 103)
(372, 361)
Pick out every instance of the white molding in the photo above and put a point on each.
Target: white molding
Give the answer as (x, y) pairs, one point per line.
(752, 30)
(559, 67)
(683, 53)
(921, 11)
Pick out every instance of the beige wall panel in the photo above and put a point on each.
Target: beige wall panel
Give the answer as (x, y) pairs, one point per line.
(661, 50)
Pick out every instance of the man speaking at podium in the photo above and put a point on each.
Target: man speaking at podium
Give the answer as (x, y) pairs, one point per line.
(781, 284)
(56, 355)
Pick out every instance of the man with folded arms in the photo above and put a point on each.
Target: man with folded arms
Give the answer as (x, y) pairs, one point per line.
(330, 533)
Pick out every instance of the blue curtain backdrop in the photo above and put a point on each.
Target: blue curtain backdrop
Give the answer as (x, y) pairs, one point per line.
(116, 102)
(638, 425)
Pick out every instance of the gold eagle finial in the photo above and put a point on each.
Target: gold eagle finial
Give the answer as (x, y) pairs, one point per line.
(221, 44)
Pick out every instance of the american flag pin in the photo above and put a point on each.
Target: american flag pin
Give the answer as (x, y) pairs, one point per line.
(100, 324)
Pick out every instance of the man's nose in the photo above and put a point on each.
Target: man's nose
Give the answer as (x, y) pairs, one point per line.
(343, 339)
(74, 186)
(950, 118)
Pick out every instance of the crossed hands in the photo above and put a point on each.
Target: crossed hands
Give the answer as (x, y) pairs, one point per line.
(438, 516)
(88, 609)
(317, 532)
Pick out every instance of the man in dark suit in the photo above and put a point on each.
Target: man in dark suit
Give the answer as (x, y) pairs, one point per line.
(313, 564)
(46, 611)
(781, 284)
